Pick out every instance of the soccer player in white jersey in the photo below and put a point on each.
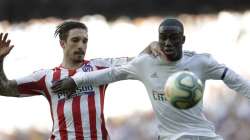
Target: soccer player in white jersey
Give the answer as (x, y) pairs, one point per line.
(173, 124)
(80, 115)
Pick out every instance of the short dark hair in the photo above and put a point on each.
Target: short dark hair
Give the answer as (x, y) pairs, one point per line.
(172, 22)
(63, 28)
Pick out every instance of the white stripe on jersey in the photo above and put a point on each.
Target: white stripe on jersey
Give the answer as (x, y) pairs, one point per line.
(85, 118)
(98, 111)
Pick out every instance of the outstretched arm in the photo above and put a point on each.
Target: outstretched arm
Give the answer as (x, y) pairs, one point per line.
(100, 77)
(7, 87)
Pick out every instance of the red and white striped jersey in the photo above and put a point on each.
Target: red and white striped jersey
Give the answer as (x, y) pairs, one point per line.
(76, 116)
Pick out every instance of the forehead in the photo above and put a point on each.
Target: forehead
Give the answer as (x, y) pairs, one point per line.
(170, 29)
(78, 32)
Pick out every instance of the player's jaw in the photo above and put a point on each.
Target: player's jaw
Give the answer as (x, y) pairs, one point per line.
(171, 51)
(79, 55)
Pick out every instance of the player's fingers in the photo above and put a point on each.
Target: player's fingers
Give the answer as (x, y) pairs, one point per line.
(1, 35)
(55, 85)
(5, 37)
(1, 41)
(7, 43)
(57, 91)
(11, 47)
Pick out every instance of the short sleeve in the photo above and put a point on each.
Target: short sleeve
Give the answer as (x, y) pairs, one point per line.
(33, 84)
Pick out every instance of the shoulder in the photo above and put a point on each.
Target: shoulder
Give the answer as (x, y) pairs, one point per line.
(196, 55)
(201, 58)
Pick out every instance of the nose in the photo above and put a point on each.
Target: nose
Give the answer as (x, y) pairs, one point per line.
(81, 48)
(82, 45)
(168, 42)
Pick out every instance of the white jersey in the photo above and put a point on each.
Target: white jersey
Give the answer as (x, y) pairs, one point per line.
(153, 72)
(80, 115)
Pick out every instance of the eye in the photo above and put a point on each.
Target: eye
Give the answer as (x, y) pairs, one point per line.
(75, 40)
(175, 38)
(163, 37)
(85, 41)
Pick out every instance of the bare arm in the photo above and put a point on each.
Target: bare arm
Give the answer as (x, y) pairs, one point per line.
(7, 87)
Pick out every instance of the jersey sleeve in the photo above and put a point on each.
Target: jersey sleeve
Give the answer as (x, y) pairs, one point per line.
(213, 69)
(110, 62)
(230, 78)
(33, 84)
(109, 75)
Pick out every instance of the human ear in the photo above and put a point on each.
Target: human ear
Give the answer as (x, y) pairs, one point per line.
(62, 43)
(183, 39)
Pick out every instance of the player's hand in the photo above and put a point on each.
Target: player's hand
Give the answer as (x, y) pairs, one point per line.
(155, 49)
(5, 46)
(66, 84)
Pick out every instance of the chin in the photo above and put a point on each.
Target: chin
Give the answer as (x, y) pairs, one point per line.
(78, 60)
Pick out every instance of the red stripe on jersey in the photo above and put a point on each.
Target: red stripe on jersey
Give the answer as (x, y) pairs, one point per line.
(56, 74)
(32, 88)
(76, 110)
(103, 128)
(102, 94)
(92, 116)
(60, 109)
(61, 120)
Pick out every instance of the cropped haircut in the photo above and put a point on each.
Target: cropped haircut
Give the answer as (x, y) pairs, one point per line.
(172, 22)
(62, 30)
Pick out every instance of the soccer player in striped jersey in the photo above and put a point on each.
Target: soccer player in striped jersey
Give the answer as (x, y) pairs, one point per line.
(78, 115)
(174, 124)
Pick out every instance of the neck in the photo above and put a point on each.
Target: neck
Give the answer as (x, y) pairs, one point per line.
(71, 64)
